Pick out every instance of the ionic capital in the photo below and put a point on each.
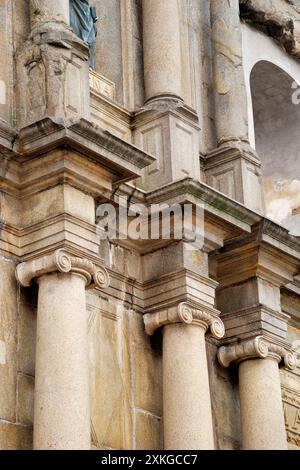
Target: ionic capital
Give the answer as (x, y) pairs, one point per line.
(257, 348)
(62, 262)
(184, 314)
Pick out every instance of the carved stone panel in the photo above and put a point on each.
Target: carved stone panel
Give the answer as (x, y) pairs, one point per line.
(291, 404)
(52, 82)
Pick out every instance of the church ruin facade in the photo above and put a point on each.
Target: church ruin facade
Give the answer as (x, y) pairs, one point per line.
(155, 342)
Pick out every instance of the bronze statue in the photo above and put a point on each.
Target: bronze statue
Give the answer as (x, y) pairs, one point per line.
(83, 19)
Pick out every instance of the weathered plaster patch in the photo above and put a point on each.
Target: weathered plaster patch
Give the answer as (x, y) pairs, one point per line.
(2, 353)
(2, 92)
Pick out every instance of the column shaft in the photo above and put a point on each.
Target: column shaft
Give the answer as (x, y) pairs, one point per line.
(262, 415)
(187, 404)
(42, 11)
(229, 82)
(162, 50)
(62, 400)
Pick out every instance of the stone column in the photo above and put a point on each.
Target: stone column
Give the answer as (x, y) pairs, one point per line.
(229, 83)
(186, 394)
(233, 167)
(262, 418)
(162, 50)
(53, 11)
(62, 398)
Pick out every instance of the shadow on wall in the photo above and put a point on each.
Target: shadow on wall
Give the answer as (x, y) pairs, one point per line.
(276, 109)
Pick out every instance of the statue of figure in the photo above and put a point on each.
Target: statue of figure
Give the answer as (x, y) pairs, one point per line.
(83, 19)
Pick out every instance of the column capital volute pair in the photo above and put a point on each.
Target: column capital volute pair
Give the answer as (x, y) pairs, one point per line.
(62, 262)
(256, 348)
(187, 315)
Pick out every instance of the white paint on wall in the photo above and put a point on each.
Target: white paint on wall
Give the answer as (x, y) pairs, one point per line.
(2, 353)
(2, 92)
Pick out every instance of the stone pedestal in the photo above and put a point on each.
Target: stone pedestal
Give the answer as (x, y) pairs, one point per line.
(165, 127)
(172, 136)
(62, 398)
(186, 394)
(52, 67)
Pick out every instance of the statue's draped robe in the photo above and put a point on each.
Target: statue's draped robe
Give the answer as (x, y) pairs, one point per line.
(82, 21)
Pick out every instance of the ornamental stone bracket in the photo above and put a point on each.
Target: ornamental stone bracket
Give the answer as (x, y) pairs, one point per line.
(185, 314)
(257, 348)
(62, 262)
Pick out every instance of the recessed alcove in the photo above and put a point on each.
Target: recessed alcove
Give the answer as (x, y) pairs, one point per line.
(276, 113)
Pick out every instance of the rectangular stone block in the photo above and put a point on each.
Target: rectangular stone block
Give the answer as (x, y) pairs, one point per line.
(110, 377)
(149, 435)
(26, 338)
(147, 374)
(15, 437)
(25, 394)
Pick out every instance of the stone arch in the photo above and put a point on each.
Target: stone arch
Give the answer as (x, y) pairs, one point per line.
(274, 122)
(276, 116)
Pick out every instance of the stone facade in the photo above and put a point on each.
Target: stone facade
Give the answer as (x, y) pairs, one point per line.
(149, 344)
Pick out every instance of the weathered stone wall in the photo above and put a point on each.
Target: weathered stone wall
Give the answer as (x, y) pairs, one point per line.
(125, 363)
(17, 363)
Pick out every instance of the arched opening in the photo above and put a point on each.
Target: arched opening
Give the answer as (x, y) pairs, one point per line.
(276, 112)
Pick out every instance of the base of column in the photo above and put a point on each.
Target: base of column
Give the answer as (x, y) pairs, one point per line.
(164, 101)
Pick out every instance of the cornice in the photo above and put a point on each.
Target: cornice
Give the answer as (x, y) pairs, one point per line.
(214, 201)
(62, 262)
(79, 134)
(111, 108)
(258, 308)
(170, 277)
(185, 314)
(8, 136)
(148, 114)
(258, 227)
(227, 154)
(256, 348)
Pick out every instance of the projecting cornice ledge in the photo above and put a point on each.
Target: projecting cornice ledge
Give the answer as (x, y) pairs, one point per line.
(257, 348)
(62, 262)
(225, 208)
(83, 136)
(8, 136)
